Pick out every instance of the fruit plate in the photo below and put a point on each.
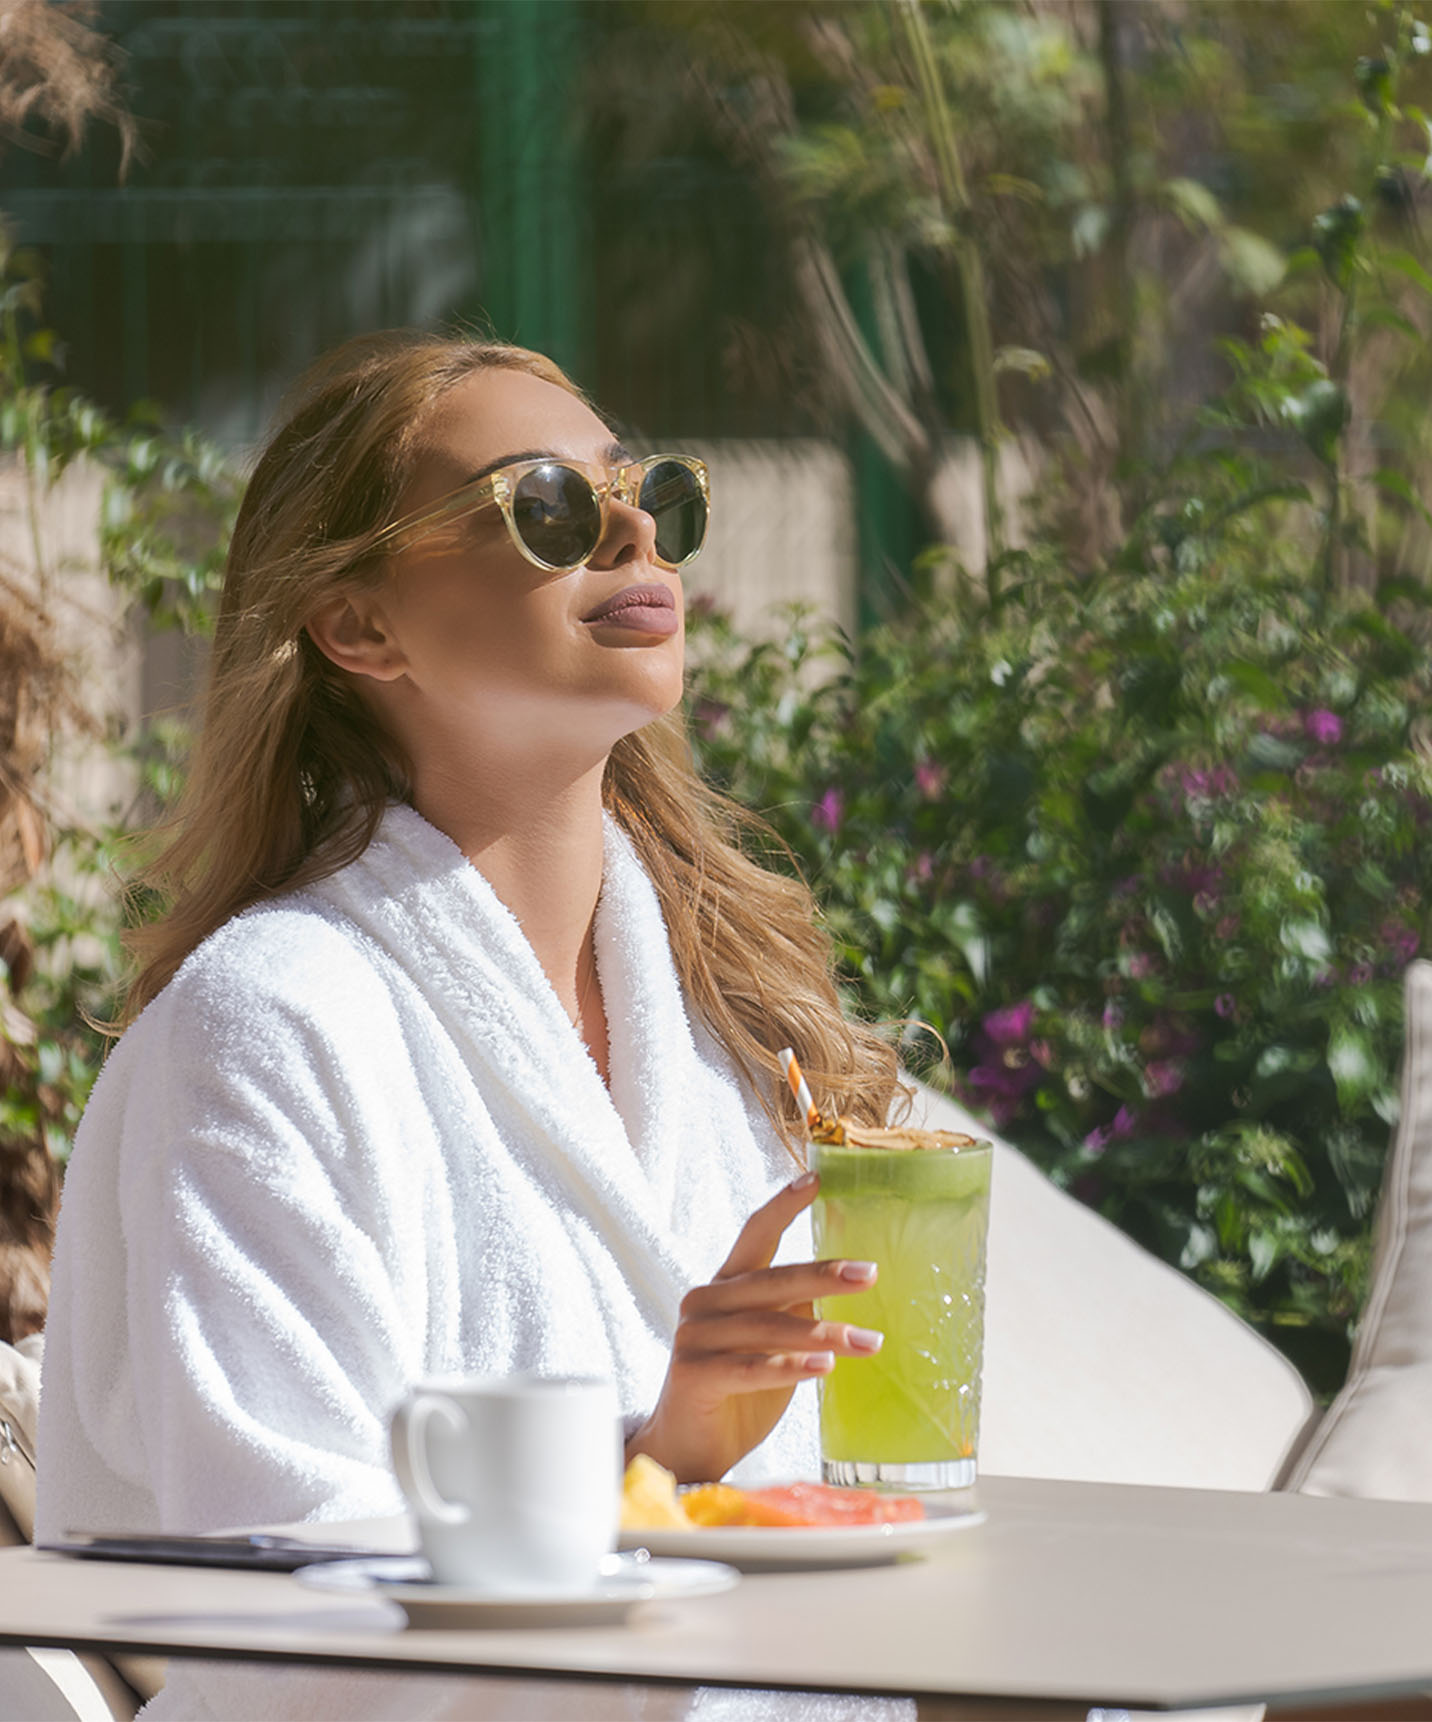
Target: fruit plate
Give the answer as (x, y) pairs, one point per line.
(767, 1548)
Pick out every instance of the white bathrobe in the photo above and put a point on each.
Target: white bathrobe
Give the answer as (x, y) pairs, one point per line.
(357, 1141)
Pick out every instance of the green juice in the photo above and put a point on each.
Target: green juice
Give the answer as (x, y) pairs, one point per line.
(909, 1415)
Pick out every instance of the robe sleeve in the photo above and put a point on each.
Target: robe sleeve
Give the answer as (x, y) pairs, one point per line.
(270, 1253)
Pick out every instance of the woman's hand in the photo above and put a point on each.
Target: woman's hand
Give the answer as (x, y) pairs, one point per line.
(743, 1343)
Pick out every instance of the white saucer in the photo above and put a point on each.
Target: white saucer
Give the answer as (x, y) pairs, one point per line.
(781, 1548)
(625, 1581)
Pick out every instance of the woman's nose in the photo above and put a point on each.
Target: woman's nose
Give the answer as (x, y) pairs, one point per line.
(629, 535)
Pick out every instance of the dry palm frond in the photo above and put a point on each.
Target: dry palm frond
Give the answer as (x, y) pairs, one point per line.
(56, 75)
(31, 677)
(29, 1200)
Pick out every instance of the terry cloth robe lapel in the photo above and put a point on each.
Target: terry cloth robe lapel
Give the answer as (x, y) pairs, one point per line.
(613, 1157)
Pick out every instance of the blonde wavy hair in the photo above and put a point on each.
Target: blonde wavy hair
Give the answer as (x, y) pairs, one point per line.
(292, 771)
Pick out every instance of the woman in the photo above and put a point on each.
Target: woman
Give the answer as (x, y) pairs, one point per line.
(453, 1050)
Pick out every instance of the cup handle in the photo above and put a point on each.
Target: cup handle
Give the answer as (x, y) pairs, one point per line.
(410, 1456)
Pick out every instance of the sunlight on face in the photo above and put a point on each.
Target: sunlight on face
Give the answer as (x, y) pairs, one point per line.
(496, 654)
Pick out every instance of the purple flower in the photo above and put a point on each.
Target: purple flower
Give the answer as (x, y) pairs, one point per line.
(1010, 1026)
(1139, 966)
(1163, 1077)
(710, 715)
(1006, 1071)
(1325, 727)
(1400, 942)
(1002, 1087)
(1124, 1124)
(930, 779)
(1168, 1037)
(1188, 874)
(828, 812)
(1198, 783)
(1359, 974)
(921, 870)
(1225, 1004)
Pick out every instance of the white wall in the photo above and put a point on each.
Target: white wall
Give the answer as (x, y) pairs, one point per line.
(782, 530)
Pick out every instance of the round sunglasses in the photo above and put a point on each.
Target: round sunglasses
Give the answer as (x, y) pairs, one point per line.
(556, 510)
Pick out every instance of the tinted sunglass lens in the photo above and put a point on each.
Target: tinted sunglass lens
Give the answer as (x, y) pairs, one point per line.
(671, 495)
(557, 515)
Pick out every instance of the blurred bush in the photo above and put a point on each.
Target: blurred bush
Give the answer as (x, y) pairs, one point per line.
(1151, 852)
(1144, 837)
(167, 505)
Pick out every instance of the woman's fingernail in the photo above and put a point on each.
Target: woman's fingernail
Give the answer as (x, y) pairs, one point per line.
(864, 1338)
(822, 1362)
(860, 1272)
(804, 1182)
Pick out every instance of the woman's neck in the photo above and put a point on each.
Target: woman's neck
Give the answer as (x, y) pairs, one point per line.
(539, 845)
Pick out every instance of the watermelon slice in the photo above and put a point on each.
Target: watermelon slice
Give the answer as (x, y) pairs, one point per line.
(815, 1504)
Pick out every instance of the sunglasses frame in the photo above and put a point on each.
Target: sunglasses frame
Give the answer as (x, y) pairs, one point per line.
(498, 489)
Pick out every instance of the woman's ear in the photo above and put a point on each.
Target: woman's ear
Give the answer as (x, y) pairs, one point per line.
(353, 633)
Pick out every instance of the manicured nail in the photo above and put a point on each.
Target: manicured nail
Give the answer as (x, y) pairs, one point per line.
(862, 1273)
(822, 1362)
(804, 1182)
(864, 1338)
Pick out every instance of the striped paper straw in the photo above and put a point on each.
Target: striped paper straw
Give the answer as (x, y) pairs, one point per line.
(799, 1087)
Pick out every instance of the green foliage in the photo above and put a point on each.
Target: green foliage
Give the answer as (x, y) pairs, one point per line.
(169, 500)
(166, 512)
(1150, 852)
(1148, 845)
(75, 934)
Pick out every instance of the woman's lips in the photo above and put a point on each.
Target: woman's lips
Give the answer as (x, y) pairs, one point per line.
(646, 609)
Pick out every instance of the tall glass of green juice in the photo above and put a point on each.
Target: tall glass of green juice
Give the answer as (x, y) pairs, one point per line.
(917, 1204)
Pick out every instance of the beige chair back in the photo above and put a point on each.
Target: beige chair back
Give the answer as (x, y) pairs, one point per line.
(51, 1683)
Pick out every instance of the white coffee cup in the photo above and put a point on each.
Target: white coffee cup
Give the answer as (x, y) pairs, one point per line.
(515, 1480)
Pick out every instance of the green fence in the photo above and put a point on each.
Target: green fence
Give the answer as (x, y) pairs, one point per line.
(313, 168)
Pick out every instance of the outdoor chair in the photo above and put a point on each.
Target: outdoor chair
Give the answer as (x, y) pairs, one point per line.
(51, 1685)
(1376, 1439)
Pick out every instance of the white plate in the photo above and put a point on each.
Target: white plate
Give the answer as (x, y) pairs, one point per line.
(625, 1581)
(763, 1548)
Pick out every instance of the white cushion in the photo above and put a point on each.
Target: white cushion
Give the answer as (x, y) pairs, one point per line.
(1104, 1364)
(1376, 1439)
